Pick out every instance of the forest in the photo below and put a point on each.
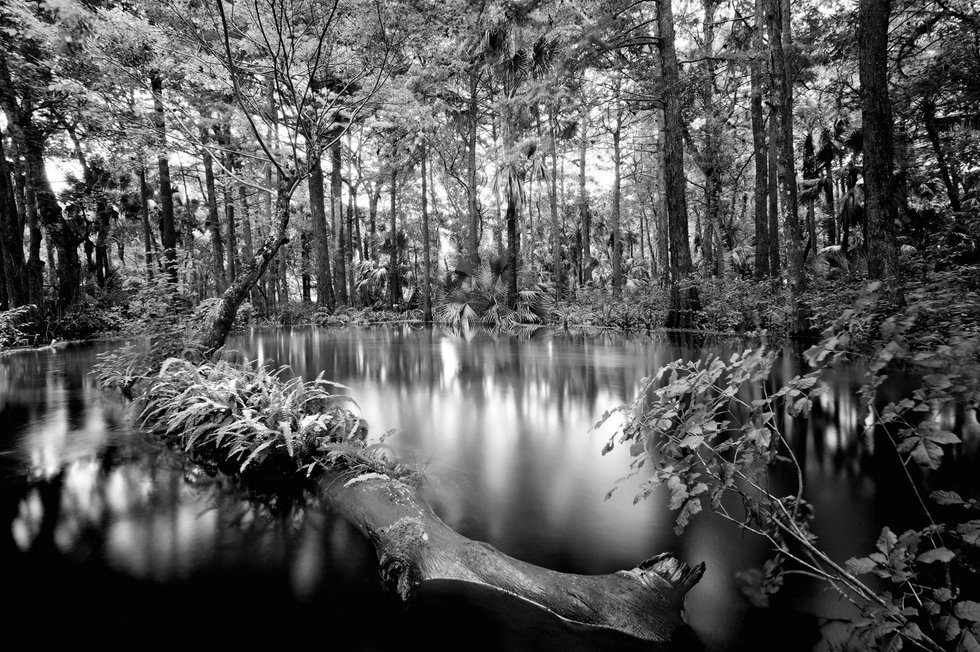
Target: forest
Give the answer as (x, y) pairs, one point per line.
(804, 173)
(484, 158)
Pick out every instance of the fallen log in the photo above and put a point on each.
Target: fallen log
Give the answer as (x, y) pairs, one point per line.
(415, 546)
(249, 423)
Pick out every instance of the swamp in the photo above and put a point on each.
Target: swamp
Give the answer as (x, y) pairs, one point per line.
(493, 325)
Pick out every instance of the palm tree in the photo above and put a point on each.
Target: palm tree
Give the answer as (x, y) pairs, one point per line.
(513, 57)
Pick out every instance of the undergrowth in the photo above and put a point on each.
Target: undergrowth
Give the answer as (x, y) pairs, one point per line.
(246, 420)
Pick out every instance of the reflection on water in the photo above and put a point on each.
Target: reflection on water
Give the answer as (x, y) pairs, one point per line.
(501, 426)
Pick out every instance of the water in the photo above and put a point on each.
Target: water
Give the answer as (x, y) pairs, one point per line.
(105, 539)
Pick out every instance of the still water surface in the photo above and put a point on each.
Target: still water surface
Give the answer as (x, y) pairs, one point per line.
(106, 540)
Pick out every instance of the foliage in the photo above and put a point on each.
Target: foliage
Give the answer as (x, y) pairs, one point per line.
(82, 320)
(15, 326)
(710, 432)
(483, 298)
(248, 421)
(637, 309)
(734, 304)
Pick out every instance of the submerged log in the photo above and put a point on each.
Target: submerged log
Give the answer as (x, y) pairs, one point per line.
(415, 546)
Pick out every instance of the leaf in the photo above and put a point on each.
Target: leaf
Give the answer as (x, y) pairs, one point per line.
(255, 453)
(678, 492)
(912, 631)
(759, 436)
(927, 453)
(970, 531)
(943, 437)
(886, 540)
(860, 565)
(944, 555)
(948, 626)
(937, 381)
(946, 498)
(967, 610)
(968, 643)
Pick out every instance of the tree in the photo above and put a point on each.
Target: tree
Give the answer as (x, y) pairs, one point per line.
(780, 36)
(759, 148)
(684, 298)
(879, 151)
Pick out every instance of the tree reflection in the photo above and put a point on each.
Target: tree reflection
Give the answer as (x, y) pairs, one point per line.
(501, 425)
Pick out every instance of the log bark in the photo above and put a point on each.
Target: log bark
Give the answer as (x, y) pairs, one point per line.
(415, 546)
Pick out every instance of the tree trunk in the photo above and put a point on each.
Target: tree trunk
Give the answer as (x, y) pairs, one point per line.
(711, 241)
(879, 150)
(583, 201)
(168, 226)
(473, 232)
(11, 239)
(306, 281)
(415, 547)
(557, 266)
(337, 220)
(321, 238)
(775, 261)
(353, 238)
(684, 300)
(145, 219)
(216, 331)
(61, 235)
(948, 176)
(760, 152)
(810, 175)
(783, 101)
(102, 216)
(373, 200)
(617, 252)
(828, 188)
(513, 249)
(426, 247)
(232, 251)
(246, 220)
(217, 247)
(394, 285)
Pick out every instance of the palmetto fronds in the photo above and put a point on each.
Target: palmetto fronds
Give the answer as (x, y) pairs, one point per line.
(482, 298)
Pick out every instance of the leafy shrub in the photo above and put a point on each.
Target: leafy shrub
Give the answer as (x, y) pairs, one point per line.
(644, 308)
(16, 326)
(83, 319)
(738, 305)
(710, 429)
